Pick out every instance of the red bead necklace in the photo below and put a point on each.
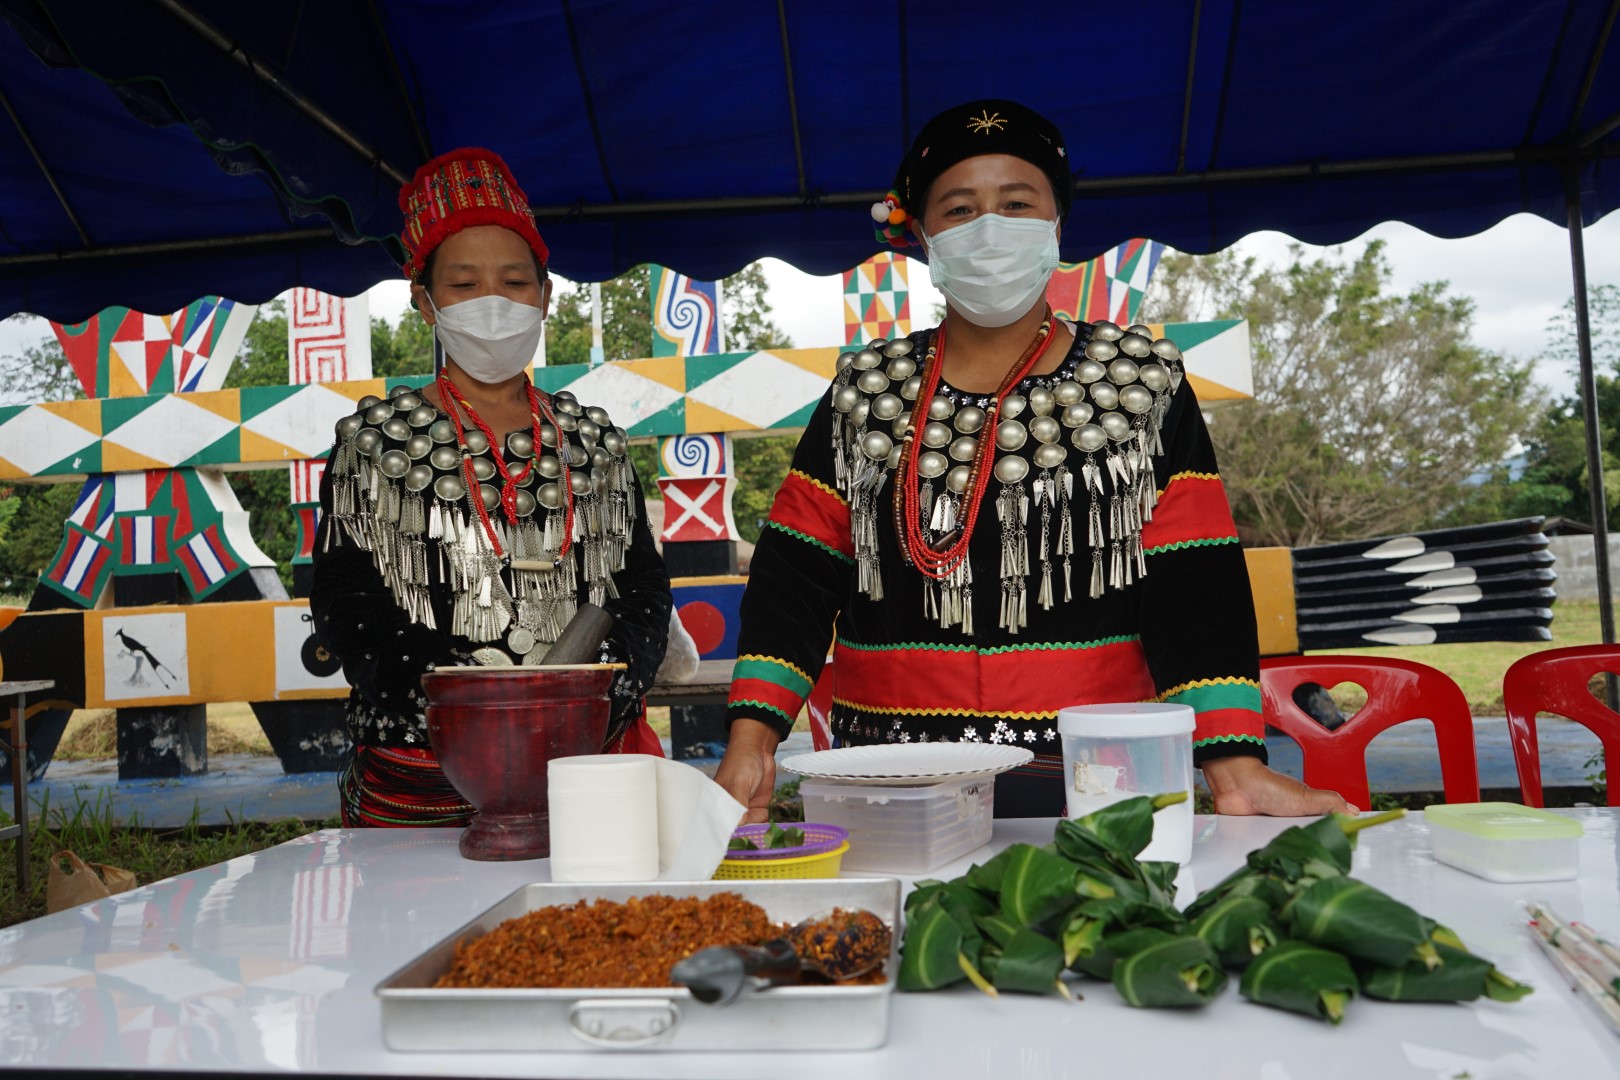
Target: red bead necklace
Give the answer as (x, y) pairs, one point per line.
(509, 484)
(934, 562)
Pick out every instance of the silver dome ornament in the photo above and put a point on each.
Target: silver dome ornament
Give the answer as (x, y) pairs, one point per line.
(902, 367)
(449, 488)
(1011, 469)
(548, 467)
(1089, 371)
(422, 416)
(1117, 427)
(887, 406)
(549, 496)
(1154, 377)
(876, 445)
(367, 439)
(1105, 395)
(844, 362)
(394, 464)
(1104, 330)
(1041, 402)
(442, 431)
(1165, 349)
(930, 464)
(867, 359)
(936, 434)
(901, 425)
(911, 388)
(365, 403)
(1123, 372)
(515, 469)
(1012, 405)
(397, 392)
(893, 460)
(525, 504)
(418, 447)
(1135, 345)
(1101, 351)
(548, 436)
(1089, 437)
(477, 442)
(445, 459)
(490, 496)
(1140, 328)
(941, 408)
(964, 448)
(613, 442)
(969, 418)
(600, 458)
(520, 444)
(483, 468)
(598, 415)
(1067, 393)
(567, 422)
(845, 397)
(568, 403)
(377, 414)
(872, 381)
(1077, 414)
(599, 481)
(577, 456)
(418, 478)
(579, 483)
(859, 413)
(957, 478)
(1136, 399)
(590, 431)
(349, 426)
(1046, 429)
(1010, 435)
(900, 346)
(396, 429)
(877, 345)
(1050, 456)
(408, 402)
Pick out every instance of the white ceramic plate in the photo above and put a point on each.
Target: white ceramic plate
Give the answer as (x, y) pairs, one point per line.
(908, 763)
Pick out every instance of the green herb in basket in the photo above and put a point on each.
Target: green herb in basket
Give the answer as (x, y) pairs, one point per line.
(775, 840)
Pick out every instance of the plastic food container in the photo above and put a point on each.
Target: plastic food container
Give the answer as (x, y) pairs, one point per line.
(1501, 841)
(820, 856)
(1115, 752)
(904, 830)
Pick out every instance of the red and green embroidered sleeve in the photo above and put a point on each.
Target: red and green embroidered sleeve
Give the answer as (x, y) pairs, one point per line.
(798, 581)
(1197, 612)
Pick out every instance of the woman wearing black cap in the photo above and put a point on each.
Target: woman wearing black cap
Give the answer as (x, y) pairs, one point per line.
(1004, 515)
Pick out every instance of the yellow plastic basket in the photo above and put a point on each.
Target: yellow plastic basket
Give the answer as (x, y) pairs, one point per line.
(824, 865)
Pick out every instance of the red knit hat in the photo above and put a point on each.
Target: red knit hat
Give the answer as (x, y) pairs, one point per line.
(458, 190)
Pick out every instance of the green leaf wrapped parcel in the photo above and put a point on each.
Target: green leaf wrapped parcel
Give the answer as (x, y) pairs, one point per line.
(1305, 935)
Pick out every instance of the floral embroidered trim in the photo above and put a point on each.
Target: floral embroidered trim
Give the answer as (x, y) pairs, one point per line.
(974, 713)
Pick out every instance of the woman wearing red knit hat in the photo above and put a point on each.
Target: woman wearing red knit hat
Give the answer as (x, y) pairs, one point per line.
(466, 522)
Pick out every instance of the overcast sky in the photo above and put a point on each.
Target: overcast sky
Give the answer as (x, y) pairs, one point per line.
(1517, 274)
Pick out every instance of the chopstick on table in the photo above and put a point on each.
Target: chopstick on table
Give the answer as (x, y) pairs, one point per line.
(1563, 946)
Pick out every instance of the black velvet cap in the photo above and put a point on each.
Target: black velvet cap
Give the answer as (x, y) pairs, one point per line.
(984, 127)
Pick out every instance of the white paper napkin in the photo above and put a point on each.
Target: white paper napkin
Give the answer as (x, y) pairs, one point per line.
(636, 817)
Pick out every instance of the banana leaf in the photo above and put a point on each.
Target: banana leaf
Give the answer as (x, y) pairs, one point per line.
(1036, 884)
(997, 929)
(1029, 963)
(1175, 973)
(1302, 978)
(923, 892)
(1122, 828)
(987, 877)
(1245, 881)
(1084, 927)
(1461, 977)
(1360, 921)
(1238, 928)
(1160, 880)
(1116, 946)
(931, 950)
(1318, 850)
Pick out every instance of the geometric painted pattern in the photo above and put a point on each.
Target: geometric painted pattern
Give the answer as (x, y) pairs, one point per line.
(328, 340)
(877, 299)
(685, 314)
(1111, 286)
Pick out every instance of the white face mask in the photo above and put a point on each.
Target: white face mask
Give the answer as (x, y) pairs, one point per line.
(994, 268)
(491, 338)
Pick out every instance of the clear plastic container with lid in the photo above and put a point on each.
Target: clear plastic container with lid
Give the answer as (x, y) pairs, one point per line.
(1114, 752)
(904, 830)
(1502, 841)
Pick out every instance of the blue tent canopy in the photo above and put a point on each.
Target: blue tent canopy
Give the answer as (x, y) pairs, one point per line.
(158, 151)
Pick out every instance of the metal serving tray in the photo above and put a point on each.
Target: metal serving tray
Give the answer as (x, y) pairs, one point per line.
(416, 1016)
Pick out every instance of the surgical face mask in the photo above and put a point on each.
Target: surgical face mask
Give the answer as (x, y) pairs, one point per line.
(994, 268)
(491, 338)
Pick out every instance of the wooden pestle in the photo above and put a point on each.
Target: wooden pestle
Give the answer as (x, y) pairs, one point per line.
(581, 639)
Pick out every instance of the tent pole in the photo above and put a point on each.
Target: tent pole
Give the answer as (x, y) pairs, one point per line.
(1589, 413)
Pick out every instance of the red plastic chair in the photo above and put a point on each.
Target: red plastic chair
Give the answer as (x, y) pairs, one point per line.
(1556, 681)
(1397, 691)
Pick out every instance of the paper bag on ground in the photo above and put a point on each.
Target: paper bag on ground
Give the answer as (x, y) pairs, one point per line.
(636, 817)
(78, 882)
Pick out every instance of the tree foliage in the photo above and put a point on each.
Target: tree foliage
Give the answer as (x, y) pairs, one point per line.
(39, 372)
(1371, 409)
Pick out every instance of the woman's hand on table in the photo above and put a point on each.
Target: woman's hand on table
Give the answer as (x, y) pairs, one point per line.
(748, 771)
(1246, 785)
